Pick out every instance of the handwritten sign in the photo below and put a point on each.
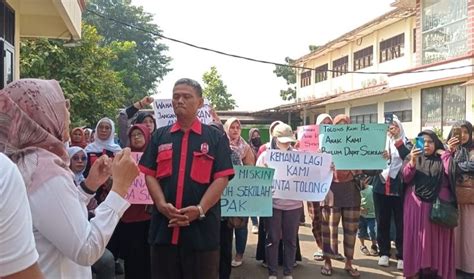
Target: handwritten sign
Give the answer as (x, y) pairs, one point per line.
(308, 138)
(164, 113)
(302, 176)
(355, 146)
(138, 192)
(249, 193)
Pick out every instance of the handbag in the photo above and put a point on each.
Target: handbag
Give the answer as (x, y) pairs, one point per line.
(444, 213)
(465, 189)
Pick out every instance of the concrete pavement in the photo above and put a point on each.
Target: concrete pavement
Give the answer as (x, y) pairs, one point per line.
(309, 268)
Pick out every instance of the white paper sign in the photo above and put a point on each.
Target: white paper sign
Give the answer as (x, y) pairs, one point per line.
(303, 176)
(165, 116)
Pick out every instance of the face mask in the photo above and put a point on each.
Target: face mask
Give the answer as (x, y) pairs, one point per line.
(256, 141)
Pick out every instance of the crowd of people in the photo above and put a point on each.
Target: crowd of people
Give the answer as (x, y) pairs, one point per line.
(64, 213)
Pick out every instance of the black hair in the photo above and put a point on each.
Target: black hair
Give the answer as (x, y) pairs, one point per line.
(190, 82)
(141, 117)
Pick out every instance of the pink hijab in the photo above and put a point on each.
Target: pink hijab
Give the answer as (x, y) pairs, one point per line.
(32, 121)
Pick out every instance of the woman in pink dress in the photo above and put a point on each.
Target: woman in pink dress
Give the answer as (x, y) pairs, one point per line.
(428, 248)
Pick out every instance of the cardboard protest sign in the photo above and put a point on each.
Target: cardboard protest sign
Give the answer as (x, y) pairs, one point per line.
(308, 138)
(300, 176)
(165, 116)
(138, 192)
(355, 146)
(249, 193)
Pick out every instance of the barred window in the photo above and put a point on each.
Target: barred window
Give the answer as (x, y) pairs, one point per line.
(340, 66)
(321, 73)
(392, 48)
(305, 78)
(363, 58)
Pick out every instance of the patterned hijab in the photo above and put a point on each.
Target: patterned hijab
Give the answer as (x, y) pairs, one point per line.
(98, 146)
(238, 145)
(33, 117)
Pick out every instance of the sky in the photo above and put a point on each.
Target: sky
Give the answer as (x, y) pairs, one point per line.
(262, 29)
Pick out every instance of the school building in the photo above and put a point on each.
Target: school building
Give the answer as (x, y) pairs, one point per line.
(55, 19)
(422, 54)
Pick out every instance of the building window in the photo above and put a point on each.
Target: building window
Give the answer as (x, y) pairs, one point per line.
(442, 106)
(321, 73)
(392, 48)
(335, 112)
(401, 108)
(305, 78)
(340, 66)
(364, 114)
(7, 42)
(363, 58)
(444, 29)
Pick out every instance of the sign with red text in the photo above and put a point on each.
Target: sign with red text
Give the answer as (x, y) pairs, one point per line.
(308, 138)
(138, 192)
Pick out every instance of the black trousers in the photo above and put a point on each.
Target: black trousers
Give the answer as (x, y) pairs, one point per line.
(130, 242)
(386, 208)
(225, 262)
(178, 262)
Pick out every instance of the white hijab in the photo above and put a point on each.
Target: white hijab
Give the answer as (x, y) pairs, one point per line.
(321, 118)
(99, 145)
(396, 163)
(71, 151)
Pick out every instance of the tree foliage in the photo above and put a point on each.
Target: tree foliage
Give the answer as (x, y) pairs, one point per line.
(143, 67)
(85, 73)
(216, 92)
(289, 75)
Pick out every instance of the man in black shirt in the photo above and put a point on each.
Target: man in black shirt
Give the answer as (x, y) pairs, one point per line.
(187, 167)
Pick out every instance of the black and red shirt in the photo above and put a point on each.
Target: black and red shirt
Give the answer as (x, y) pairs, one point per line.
(185, 164)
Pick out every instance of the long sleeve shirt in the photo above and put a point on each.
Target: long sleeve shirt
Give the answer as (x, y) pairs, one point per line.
(67, 243)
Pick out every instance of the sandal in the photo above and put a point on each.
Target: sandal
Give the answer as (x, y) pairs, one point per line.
(364, 250)
(326, 271)
(353, 272)
(318, 256)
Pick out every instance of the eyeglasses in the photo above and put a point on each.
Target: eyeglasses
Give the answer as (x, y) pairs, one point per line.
(137, 135)
(77, 158)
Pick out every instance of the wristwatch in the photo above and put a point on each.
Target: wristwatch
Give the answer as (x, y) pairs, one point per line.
(201, 212)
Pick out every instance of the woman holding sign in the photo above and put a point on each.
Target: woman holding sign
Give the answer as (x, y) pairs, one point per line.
(130, 238)
(314, 208)
(245, 156)
(284, 222)
(342, 202)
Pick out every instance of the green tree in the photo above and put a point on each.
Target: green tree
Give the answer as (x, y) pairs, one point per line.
(85, 73)
(216, 92)
(142, 68)
(289, 75)
(313, 47)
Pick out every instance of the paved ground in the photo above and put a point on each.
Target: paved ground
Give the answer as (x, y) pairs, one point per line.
(309, 268)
